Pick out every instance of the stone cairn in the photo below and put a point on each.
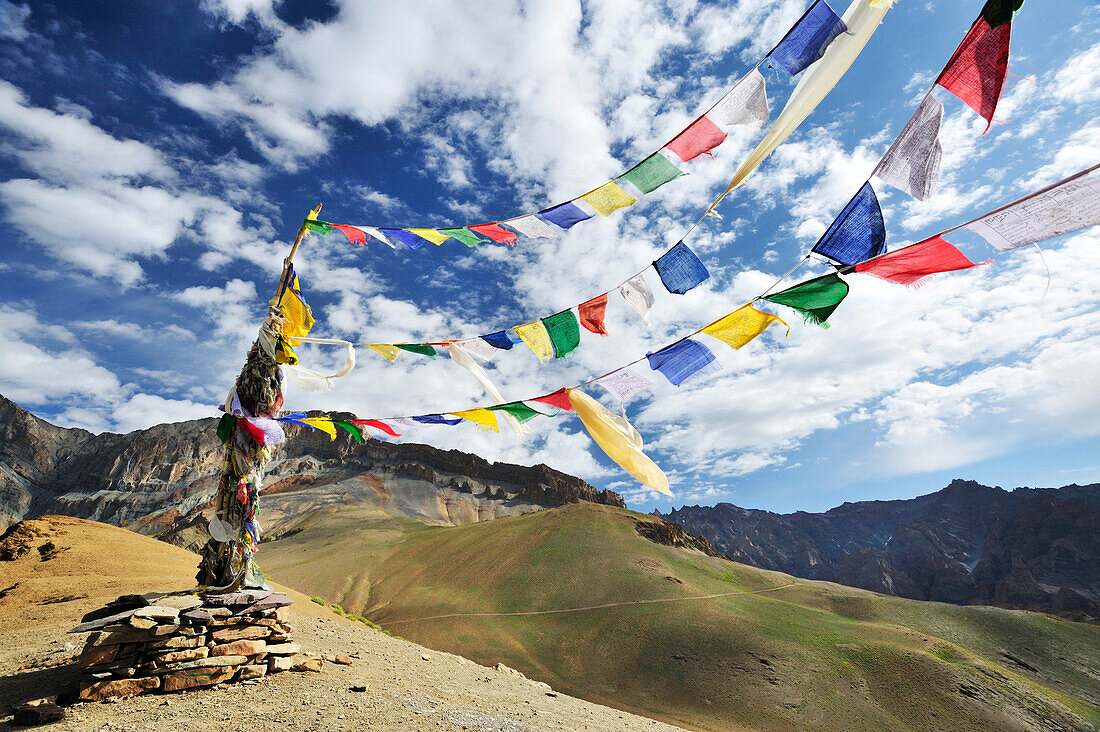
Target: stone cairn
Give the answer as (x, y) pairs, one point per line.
(171, 642)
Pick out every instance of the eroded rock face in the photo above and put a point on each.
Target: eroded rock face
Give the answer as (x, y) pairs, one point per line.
(966, 544)
(158, 481)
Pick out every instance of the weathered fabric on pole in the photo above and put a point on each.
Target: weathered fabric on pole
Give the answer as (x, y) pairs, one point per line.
(564, 332)
(862, 19)
(912, 164)
(312, 380)
(537, 339)
(564, 215)
(701, 136)
(976, 71)
(680, 269)
(532, 227)
(619, 441)
(742, 325)
(814, 299)
(858, 233)
(592, 314)
(744, 104)
(1069, 206)
(464, 235)
(682, 360)
(807, 40)
(652, 173)
(295, 314)
(638, 295)
(911, 264)
(608, 198)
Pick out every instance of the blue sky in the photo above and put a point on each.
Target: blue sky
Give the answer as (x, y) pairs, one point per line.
(158, 157)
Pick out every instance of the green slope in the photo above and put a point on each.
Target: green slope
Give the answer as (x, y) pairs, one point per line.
(774, 652)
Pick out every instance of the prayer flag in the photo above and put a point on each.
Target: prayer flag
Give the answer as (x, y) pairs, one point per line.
(483, 418)
(406, 237)
(592, 314)
(376, 424)
(321, 228)
(745, 104)
(435, 237)
(436, 419)
(350, 428)
(463, 235)
(520, 411)
(405, 424)
(858, 233)
(1063, 208)
(619, 441)
(253, 431)
(652, 173)
(297, 315)
(911, 264)
(386, 350)
(564, 215)
(499, 340)
(354, 235)
(322, 423)
(680, 269)
(680, 361)
(699, 137)
(608, 198)
(637, 294)
(557, 399)
(494, 232)
(742, 325)
(807, 40)
(422, 348)
(476, 347)
(976, 71)
(564, 332)
(532, 227)
(912, 164)
(622, 383)
(225, 427)
(814, 299)
(999, 12)
(537, 339)
(461, 357)
(377, 234)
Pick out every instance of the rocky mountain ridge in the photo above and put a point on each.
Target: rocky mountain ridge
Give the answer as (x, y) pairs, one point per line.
(158, 481)
(966, 544)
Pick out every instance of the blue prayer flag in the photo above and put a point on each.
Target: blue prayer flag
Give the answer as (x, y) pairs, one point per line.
(405, 237)
(807, 40)
(436, 419)
(564, 215)
(499, 340)
(680, 361)
(680, 269)
(858, 234)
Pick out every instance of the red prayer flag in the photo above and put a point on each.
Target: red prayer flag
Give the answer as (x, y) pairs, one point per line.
(376, 425)
(494, 232)
(976, 71)
(253, 431)
(910, 265)
(557, 399)
(701, 136)
(592, 313)
(354, 235)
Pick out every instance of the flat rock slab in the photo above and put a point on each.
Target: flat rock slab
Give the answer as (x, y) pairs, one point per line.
(180, 602)
(240, 648)
(99, 690)
(205, 663)
(244, 597)
(253, 671)
(187, 654)
(197, 677)
(104, 621)
(283, 649)
(116, 634)
(268, 603)
(240, 632)
(157, 612)
(96, 655)
(279, 663)
(197, 616)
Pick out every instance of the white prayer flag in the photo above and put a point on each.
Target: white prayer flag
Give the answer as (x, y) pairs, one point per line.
(744, 104)
(912, 164)
(532, 227)
(1063, 208)
(638, 295)
(375, 233)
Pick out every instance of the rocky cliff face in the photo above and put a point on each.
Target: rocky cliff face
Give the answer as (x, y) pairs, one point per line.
(158, 481)
(966, 544)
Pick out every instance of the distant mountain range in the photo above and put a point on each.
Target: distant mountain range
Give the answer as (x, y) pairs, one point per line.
(969, 544)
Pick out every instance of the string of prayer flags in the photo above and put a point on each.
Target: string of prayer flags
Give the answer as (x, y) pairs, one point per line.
(680, 269)
(607, 198)
(999, 12)
(499, 340)
(565, 215)
(297, 315)
(483, 418)
(745, 104)
(910, 265)
(807, 40)
(652, 173)
(815, 299)
(1065, 207)
(912, 164)
(533, 227)
(977, 69)
(681, 360)
(858, 233)
(537, 339)
(637, 294)
(619, 440)
(701, 136)
(564, 332)
(742, 325)
(592, 314)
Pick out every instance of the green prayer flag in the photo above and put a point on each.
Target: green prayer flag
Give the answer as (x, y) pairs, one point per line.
(564, 331)
(519, 410)
(421, 348)
(464, 235)
(999, 12)
(351, 429)
(652, 173)
(225, 427)
(814, 299)
(319, 227)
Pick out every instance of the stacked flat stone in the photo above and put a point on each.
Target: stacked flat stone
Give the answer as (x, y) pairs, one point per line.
(171, 642)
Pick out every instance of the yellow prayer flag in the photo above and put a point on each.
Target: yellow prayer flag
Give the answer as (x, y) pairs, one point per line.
(311, 216)
(619, 440)
(389, 352)
(483, 418)
(742, 325)
(431, 235)
(537, 339)
(608, 198)
(298, 318)
(322, 423)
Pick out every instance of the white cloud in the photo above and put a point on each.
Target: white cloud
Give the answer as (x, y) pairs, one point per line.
(13, 21)
(1078, 81)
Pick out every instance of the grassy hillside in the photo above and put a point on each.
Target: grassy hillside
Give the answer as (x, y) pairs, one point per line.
(773, 652)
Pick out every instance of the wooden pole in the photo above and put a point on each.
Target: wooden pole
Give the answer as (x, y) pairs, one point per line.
(290, 257)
